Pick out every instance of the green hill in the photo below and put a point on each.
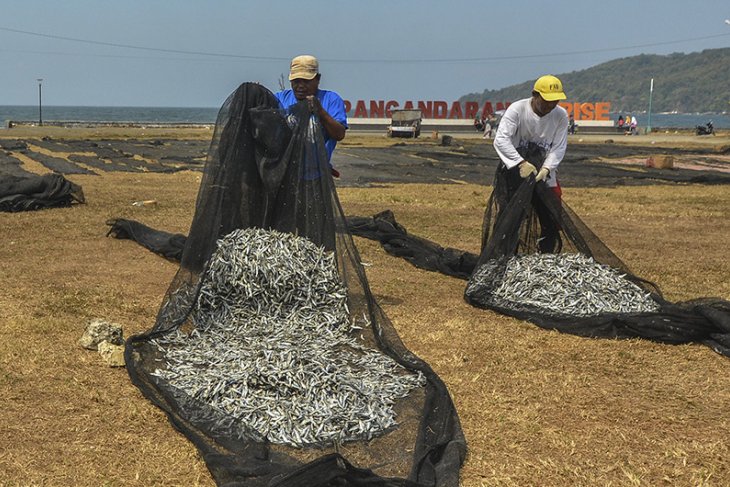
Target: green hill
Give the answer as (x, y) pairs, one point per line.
(686, 83)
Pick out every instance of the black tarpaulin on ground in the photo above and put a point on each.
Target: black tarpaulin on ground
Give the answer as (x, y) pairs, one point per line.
(56, 164)
(18, 193)
(267, 169)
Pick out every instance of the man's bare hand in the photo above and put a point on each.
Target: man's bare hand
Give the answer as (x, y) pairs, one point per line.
(314, 105)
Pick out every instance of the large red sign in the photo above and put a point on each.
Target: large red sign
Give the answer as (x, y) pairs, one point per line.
(468, 110)
(588, 111)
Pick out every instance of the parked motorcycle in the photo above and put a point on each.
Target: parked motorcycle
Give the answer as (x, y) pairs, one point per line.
(706, 129)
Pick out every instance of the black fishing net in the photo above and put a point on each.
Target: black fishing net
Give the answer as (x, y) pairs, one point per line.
(420, 252)
(382, 227)
(541, 263)
(269, 351)
(34, 192)
(168, 245)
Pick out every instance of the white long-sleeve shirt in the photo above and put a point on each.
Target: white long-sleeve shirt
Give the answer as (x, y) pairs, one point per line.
(520, 125)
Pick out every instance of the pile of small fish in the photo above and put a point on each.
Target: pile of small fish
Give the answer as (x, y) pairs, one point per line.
(557, 284)
(274, 346)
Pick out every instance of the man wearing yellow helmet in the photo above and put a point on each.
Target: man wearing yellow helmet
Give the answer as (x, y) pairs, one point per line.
(535, 125)
(538, 120)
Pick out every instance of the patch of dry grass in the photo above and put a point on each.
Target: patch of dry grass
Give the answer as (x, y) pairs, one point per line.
(537, 407)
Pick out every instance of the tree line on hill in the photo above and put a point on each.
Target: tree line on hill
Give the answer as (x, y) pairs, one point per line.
(685, 83)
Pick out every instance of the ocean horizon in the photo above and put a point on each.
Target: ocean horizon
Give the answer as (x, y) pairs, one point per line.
(208, 115)
(193, 115)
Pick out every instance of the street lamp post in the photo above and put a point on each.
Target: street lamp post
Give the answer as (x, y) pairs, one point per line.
(651, 92)
(40, 101)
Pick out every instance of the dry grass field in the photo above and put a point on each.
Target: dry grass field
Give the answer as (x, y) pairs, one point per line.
(537, 407)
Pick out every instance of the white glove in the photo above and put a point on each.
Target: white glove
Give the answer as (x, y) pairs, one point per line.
(542, 174)
(526, 169)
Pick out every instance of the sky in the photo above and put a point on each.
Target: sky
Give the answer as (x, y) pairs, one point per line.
(185, 53)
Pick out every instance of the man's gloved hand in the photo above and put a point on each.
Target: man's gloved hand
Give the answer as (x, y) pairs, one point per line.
(526, 169)
(542, 174)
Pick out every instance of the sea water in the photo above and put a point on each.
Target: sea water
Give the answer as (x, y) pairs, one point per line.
(680, 120)
(108, 114)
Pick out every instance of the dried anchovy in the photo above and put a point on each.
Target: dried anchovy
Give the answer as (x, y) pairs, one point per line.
(558, 284)
(274, 346)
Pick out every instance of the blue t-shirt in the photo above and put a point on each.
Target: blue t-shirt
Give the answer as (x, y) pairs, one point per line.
(331, 102)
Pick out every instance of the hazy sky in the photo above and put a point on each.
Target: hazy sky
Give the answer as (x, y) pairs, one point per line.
(194, 53)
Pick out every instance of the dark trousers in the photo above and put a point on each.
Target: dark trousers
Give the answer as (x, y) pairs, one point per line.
(549, 226)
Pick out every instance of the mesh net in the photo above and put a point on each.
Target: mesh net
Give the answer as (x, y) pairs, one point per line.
(269, 351)
(541, 263)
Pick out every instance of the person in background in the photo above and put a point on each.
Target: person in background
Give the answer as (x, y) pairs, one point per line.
(479, 123)
(328, 106)
(535, 121)
(571, 125)
(488, 127)
(634, 127)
